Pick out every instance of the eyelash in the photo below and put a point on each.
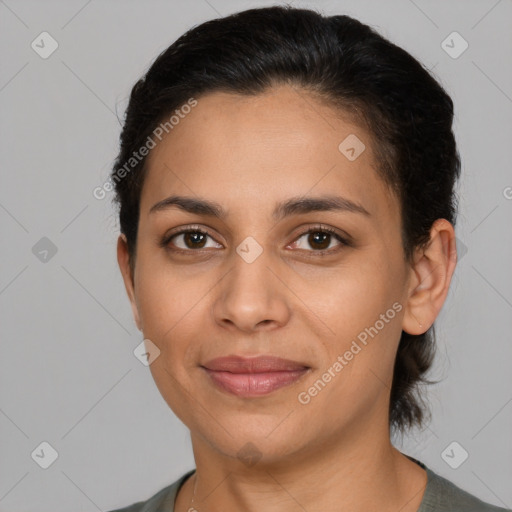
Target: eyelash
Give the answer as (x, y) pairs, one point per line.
(315, 229)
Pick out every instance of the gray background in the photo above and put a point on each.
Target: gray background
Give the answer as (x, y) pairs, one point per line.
(67, 371)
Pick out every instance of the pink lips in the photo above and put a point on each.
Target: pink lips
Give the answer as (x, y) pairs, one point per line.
(250, 377)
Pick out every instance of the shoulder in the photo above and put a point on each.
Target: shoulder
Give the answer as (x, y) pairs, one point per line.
(162, 501)
(441, 495)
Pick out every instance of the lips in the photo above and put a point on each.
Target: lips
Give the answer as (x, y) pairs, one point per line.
(260, 364)
(252, 377)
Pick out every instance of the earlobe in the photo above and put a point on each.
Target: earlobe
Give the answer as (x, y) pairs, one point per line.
(123, 259)
(431, 275)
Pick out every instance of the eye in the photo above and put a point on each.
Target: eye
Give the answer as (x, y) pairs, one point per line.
(190, 239)
(193, 238)
(320, 238)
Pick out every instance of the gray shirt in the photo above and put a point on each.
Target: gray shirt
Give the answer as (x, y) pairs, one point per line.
(440, 496)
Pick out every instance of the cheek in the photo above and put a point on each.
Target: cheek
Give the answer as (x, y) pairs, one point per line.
(162, 301)
(170, 310)
(359, 365)
(354, 298)
(173, 306)
(362, 307)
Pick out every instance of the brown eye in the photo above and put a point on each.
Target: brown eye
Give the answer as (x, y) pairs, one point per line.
(194, 239)
(188, 240)
(319, 239)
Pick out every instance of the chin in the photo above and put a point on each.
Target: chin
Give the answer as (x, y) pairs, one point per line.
(254, 446)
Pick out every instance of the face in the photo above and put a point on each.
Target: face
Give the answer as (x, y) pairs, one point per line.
(257, 279)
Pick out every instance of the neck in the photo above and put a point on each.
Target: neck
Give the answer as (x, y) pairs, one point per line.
(357, 472)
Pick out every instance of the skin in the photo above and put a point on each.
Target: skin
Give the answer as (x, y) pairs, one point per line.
(248, 153)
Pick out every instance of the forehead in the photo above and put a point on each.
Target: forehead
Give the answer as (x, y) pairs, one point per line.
(267, 147)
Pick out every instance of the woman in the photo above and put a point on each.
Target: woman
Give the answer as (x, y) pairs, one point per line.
(286, 192)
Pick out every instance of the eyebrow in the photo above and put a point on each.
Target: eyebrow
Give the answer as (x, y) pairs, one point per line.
(292, 206)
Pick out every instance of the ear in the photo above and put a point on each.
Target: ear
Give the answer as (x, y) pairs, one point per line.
(123, 259)
(430, 278)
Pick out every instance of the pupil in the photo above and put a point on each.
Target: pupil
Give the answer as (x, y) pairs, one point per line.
(194, 236)
(324, 236)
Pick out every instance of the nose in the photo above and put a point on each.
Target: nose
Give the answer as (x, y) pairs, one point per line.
(252, 296)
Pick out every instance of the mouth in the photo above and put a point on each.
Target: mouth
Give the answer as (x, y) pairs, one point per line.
(252, 377)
